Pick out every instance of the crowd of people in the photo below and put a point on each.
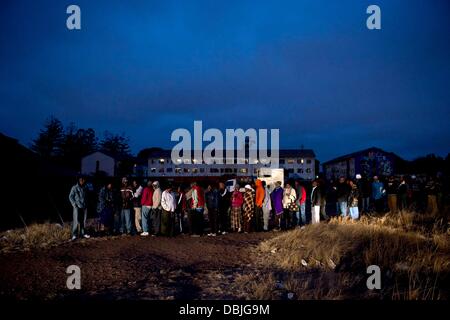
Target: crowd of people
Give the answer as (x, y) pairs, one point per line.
(154, 210)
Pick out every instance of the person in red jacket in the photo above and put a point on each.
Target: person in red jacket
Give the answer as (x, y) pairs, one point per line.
(197, 208)
(146, 202)
(301, 202)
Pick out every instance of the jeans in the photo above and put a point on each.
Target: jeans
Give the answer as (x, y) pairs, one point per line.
(79, 217)
(354, 213)
(301, 215)
(156, 218)
(146, 217)
(343, 208)
(365, 204)
(125, 220)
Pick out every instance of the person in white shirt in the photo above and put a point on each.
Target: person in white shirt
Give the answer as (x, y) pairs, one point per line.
(168, 205)
(315, 202)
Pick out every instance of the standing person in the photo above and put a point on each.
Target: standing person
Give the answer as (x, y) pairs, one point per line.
(137, 195)
(365, 190)
(77, 198)
(315, 202)
(415, 194)
(237, 199)
(403, 190)
(248, 208)
(323, 199)
(266, 207)
(392, 190)
(301, 202)
(342, 193)
(125, 214)
(105, 207)
(156, 208)
(147, 202)
(259, 200)
(224, 207)
(180, 210)
(212, 204)
(198, 207)
(353, 200)
(377, 194)
(289, 205)
(431, 190)
(168, 205)
(277, 200)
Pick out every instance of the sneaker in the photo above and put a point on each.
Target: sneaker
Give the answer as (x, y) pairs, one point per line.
(86, 236)
(144, 234)
(73, 238)
(224, 232)
(213, 234)
(195, 236)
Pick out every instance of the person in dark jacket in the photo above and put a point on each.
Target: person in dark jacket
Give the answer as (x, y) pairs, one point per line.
(391, 191)
(224, 208)
(212, 204)
(316, 200)
(342, 193)
(126, 193)
(353, 200)
(105, 208)
(403, 190)
(77, 198)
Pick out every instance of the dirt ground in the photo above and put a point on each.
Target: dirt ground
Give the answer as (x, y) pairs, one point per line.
(133, 267)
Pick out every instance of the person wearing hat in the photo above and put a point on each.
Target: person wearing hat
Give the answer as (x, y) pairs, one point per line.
(77, 198)
(249, 208)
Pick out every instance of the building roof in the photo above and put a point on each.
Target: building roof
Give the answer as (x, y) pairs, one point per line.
(283, 153)
(356, 153)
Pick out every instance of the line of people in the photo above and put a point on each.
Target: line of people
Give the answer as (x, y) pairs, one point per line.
(151, 210)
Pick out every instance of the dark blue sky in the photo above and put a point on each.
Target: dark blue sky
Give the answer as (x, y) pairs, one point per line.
(310, 68)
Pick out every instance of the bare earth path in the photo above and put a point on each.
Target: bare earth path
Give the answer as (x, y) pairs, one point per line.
(133, 268)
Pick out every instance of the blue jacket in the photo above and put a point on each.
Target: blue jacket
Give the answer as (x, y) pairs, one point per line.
(377, 190)
(77, 197)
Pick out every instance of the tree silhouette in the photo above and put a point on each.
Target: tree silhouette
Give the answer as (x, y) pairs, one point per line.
(48, 142)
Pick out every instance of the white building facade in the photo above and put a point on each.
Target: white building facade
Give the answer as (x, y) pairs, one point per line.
(297, 163)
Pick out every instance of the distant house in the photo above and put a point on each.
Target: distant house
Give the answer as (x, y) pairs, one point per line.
(368, 162)
(98, 162)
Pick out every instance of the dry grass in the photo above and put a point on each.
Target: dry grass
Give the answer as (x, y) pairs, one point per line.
(412, 252)
(34, 236)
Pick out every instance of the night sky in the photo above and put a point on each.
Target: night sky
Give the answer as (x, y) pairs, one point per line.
(310, 68)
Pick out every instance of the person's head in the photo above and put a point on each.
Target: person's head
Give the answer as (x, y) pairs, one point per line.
(391, 179)
(109, 185)
(124, 181)
(263, 183)
(169, 188)
(209, 188)
(375, 178)
(221, 185)
(315, 183)
(351, 183)
(287, 185)
(135, 183)
(81, 181)
(277, 184)
(237, 187)
(155, 185)
(193, 184)
(149, 183)
(341, 180)
(248, 188)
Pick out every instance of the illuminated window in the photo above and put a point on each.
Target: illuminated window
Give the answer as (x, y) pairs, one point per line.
(290, 161)
(161, 161)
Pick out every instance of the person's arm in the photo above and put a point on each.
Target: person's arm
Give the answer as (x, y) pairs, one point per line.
(164, 201)
(72, 197)
(157, 198)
